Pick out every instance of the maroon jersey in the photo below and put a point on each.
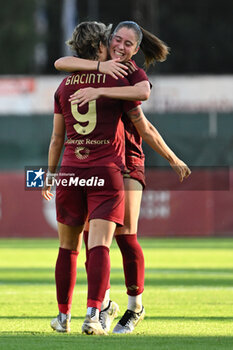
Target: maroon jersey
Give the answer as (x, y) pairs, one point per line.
(95, 132)
(133, 142)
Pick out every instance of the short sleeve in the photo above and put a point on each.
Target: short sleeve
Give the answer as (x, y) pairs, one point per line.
(137, 76)
(57, 105)
(129, 105)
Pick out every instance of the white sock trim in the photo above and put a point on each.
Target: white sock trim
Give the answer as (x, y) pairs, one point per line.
(106, 300)
(135, 303)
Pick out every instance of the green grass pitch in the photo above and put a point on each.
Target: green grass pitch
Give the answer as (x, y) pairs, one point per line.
(188, 297)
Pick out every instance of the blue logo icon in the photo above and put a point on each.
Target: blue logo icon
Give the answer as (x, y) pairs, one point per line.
(35, 178)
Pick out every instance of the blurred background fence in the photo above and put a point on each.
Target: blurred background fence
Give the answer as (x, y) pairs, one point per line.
(191, 104)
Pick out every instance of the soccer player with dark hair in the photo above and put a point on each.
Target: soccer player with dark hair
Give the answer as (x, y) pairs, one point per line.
(125, 42)
(95, 146)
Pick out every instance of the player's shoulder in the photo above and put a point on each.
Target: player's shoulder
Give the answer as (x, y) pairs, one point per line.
(64, 82)
(138, 69)
(112, 82)
(138, 75)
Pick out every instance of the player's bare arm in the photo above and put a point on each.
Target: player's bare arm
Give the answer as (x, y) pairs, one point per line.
(111, 67)
(55, 149)
(152, 137)
(137, 92)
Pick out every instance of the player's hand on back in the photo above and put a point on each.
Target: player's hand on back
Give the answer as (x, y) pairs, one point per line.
(131, 66)
(113, 68)
(83, 96)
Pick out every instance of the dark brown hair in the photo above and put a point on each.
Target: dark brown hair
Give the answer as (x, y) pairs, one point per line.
(86, 39)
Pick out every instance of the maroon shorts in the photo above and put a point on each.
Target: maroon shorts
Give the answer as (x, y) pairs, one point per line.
(137, 173)
(98, 193)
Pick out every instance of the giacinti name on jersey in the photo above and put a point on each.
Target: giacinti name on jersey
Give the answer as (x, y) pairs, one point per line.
(86, 78)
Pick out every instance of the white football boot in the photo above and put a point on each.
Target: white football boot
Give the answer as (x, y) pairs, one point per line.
(129, 321)
(107, 315)
(61, 323)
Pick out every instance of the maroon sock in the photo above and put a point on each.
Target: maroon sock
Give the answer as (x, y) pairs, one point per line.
(65, 275)
(85, 238)
(133, 262)
(98, 272)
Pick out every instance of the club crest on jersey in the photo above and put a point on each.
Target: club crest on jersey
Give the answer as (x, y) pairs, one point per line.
(82, 152)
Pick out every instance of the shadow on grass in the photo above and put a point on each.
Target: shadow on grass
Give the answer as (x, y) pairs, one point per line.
(35, 317)
(200, 243)
(146, 242)
(160, 277)
(188, 318)
(36, 341)
(149, 318)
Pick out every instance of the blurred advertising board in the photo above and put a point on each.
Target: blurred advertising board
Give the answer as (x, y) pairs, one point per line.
(34, 95)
